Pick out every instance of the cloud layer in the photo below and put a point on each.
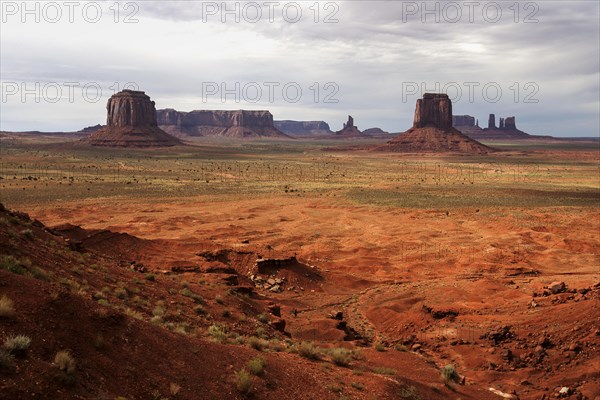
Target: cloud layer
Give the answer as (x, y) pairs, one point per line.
(538, 60)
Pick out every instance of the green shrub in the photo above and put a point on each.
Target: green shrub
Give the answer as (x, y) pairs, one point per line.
(218, 299)
(357, 386)
(448, 374)
(150, 277)
(243, 381)
(340, 356)
(401, 347)
(188, 293)
(121, 293)
(17, 345)
(257, 343)
(308, 350)
(380, 347)
(256, 366)
(6, 307)
(218, 333)
(11, 264)
(384, 371)
(262, 318)
(28, 233)
(200, 310)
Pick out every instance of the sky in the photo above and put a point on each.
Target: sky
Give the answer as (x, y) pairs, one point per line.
(538, 61)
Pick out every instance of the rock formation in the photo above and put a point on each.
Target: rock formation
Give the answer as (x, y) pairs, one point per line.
(376, 132)
(303, 128)
(239, 123)
(507, 129)
(131, 122)
(349, 130)
(492, 121)
(434, 110)
(432, 130)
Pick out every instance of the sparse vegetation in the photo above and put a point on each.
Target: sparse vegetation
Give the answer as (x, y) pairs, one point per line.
(150, 277)
(401, 348)
(219, 299)
(340, 356)
(309, 350)
(262, 318)
(17, 345)
(358, 386)
(66, 366)
(384, 371)
(256, 366)
(11, 264)
(243, 381)
(257, 343)
(380, 347)
(448, 375)
(27, 233)
(218, 333)
(6, 307)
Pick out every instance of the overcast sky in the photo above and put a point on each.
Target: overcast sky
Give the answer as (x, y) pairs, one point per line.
(365, 58)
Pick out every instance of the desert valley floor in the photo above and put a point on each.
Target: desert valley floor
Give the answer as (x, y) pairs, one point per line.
(177, 267)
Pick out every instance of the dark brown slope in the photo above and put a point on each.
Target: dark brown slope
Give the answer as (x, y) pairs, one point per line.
(56, 293)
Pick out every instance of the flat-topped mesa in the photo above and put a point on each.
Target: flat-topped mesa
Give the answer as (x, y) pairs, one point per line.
(303, 128)
(433, 132)
(433, 110)
(463, 120)
(130, 108)
(234, 123)
(131, 122)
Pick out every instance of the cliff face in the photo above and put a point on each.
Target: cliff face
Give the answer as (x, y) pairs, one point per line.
(433, 110)
(463, 120)
(432, 131)
(303, 128)
(240, 123)
(131, 122)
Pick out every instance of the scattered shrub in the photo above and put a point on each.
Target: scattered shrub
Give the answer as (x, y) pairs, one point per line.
(340, 356)
(150, 277)
(357, 386)
(121, 293)
(256, 366)
(17, 345)
(66, 366)
(6, 307)
(65, 362)
(28, 233)
(218, 299)
(11, 264)
(257, 343)
(226, 313)
(384, 371)
(262, 318)
(243, 381)
(174, 389)
(200, 310)
(188, 293)
(380, 347)
(308, 350)
(401, 347)
(134, 314)
(218, 333)
(449, 375)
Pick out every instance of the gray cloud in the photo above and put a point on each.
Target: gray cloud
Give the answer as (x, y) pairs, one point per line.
(372, 53)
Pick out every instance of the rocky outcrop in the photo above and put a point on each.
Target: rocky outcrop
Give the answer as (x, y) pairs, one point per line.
(131, 122)
(239, 123)
(432, 131)
(303, 128)
(349, 129)
(375, 132)
(433, 110)
(492, 121)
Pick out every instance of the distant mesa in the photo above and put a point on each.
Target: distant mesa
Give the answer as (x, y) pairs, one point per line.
(432, 130)
(375, 132)
(239, 123)
(506, 128)
(303, 128)
(131, 122)
(349, 129)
